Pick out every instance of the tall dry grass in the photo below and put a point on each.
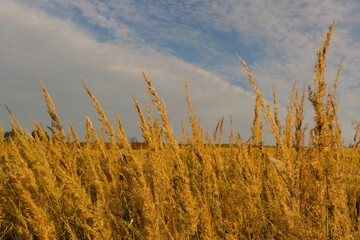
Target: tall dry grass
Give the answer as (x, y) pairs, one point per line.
(60, 188)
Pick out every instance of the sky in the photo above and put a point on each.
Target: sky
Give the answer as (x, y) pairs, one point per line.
(109, 44)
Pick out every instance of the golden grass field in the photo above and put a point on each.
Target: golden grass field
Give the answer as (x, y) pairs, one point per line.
(59, 188)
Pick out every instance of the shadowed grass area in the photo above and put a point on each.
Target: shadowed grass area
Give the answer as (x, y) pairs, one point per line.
(60, 188)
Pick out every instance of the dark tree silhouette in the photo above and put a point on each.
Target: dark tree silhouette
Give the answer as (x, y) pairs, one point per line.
(8, 135)
(36, 133)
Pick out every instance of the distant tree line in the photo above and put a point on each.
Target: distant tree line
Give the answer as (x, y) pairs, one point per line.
(34, 134)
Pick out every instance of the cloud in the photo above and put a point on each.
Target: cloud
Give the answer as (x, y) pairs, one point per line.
(287, 33)
(62, 53)
(62, 40)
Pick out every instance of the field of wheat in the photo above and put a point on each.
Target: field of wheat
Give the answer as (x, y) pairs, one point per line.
(60, 188)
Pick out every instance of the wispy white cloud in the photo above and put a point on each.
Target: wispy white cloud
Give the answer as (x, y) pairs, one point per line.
(278, 39)
(62, 53)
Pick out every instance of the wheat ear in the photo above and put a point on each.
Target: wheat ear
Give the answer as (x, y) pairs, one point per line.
(55, 122)
(107, 127)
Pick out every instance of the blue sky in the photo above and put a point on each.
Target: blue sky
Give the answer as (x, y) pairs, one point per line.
(109, 43)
